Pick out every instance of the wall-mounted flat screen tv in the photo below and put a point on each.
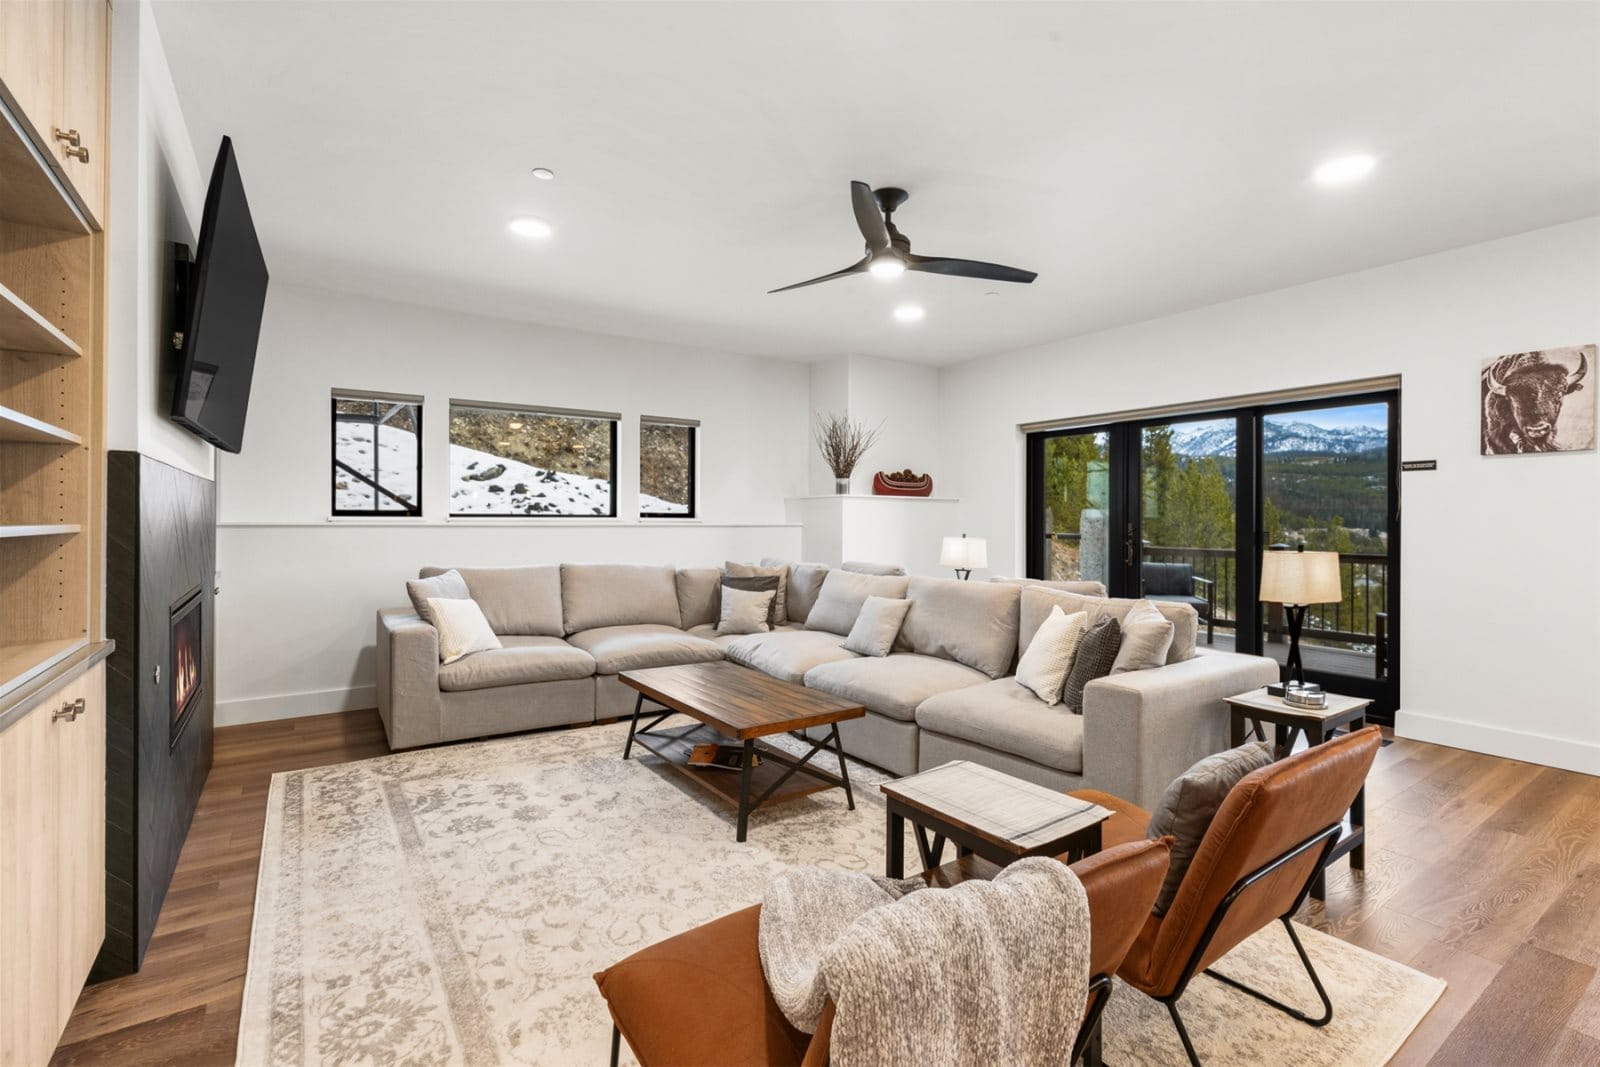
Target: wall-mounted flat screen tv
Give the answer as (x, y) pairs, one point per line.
(219, 315)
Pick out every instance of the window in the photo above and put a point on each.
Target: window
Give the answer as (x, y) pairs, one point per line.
(666, 468)
(539, 462)
(377, 464)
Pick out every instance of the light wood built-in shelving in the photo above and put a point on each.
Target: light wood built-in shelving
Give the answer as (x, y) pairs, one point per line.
(47, 529)
(18, 663)
(25, 429)
(22, 329)
(30, 190)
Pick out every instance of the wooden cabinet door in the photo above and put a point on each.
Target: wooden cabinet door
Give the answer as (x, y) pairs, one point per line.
(30, 36)
(82, 98)
(30, 1020)
(81, 838)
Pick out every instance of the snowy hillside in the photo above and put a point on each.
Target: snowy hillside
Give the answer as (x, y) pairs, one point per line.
(396, 454)
(1218, 438)
(485, 484)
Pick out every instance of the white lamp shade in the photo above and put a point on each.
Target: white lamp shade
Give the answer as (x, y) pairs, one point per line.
(1300, 578)
(964, 553)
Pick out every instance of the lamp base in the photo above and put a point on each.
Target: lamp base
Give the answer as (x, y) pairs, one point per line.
(963, 573)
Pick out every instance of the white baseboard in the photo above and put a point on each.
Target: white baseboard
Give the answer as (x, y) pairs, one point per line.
(1562, 752)
(295, 705)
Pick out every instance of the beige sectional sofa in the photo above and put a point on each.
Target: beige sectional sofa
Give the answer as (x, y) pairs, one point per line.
(945, 692)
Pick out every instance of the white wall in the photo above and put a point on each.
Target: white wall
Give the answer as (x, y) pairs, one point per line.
(157, 191)
(1500, 555)
(295, 618)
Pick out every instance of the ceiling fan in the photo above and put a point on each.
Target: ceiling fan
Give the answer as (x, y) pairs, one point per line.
(889, 251)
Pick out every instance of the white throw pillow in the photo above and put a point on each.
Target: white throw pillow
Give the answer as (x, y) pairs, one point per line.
(745, 611)
(462, 628)
(1146, 636)
(1044, 666)
(877, 626)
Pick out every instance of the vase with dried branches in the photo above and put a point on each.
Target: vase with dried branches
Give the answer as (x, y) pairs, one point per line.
(843, 441)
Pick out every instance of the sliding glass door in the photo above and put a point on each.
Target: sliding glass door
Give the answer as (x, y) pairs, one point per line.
(1181, 509)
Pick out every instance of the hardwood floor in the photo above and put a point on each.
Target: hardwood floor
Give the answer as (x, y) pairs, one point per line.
(1481, 870)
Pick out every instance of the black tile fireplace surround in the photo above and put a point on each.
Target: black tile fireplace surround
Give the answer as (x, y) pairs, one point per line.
(161, 534)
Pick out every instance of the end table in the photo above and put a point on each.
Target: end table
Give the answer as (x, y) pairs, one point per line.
(1249, 713)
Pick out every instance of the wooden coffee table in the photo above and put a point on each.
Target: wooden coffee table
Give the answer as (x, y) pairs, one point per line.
(987, 812)
(739, 704)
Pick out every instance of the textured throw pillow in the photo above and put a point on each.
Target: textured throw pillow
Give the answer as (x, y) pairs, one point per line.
(764, 584)
(882, 570)
(780, 603)
(1191, 802)
(447, 586)
(1146, 637)
(746, 611)
(1043, 667)
(877, 626)
(462, 627)
(1097, 651)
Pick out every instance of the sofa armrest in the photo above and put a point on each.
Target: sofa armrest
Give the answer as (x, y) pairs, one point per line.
(1144, 728)
(408, 679)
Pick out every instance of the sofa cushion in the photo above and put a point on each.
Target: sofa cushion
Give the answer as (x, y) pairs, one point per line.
(699, 600)
(709, 632)
(802, 583)
(877, 626)
(435, 584)
(596, 595)
(892, 570)
(1146, 637)
(1007, 717)
(516, 600)
(629, 648)
(1085, 588)
(787, 654)
(1191, 802)
(843, 593)
(462, 628)
(1096, 653)
(780, 602)
(893, 685)
(1037, 601)
(519, 661)
(747, 610)
(970, 622)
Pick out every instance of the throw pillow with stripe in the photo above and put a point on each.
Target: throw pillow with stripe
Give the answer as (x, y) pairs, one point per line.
(1043, 667)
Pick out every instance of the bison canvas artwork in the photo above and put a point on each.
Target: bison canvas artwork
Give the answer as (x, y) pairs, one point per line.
(1539, 401)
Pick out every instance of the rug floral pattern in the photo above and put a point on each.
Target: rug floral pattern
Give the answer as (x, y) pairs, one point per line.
(449, 906)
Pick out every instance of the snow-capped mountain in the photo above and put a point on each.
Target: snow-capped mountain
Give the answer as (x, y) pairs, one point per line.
(1219, 438)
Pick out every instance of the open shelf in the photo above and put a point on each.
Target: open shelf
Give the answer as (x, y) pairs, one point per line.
(25, 429)
(48, 529)
(24, 329)
(31, 192)
(18, 663)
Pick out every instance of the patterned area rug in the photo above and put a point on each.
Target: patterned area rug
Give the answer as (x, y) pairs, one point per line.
(449, 906)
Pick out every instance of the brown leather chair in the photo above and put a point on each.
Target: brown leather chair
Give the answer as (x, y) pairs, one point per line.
(701, 997)
(1269, 840)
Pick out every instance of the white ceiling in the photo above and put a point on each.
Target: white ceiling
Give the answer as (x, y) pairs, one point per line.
(1143, 158)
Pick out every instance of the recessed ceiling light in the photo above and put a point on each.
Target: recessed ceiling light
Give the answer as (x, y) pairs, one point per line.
(909, 312)
(528, 226)
(887, 266)
(1344, 170)
(544, 174)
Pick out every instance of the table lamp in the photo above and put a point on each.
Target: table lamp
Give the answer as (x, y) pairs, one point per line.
(964, 554)
(1296, 579)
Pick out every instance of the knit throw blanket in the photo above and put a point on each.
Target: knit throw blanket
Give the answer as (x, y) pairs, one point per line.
(981, 973)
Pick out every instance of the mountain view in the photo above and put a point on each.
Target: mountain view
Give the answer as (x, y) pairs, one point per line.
(1221, 439)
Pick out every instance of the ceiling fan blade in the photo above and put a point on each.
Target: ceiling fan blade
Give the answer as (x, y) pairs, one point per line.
(854, 268)
(969, 268)
(869, 216)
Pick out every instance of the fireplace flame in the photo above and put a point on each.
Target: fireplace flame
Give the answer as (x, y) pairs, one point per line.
(186, 663)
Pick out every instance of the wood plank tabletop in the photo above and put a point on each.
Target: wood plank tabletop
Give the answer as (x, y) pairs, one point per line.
(739, 702)
(1008, 812)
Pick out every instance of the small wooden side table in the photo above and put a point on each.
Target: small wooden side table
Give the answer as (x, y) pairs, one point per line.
(1249, 714)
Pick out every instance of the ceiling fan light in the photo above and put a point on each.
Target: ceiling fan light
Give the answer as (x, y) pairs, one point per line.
(887, 266)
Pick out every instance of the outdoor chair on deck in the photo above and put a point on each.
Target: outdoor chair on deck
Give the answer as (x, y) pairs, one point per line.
(1177, 582)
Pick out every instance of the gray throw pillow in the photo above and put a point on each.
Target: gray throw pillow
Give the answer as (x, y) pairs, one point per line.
(1191, 802)
(447, 586)
(780, 602)
(877, 626)
(1097, 651)
(1146, 638)
(766, 583)
(882, 570)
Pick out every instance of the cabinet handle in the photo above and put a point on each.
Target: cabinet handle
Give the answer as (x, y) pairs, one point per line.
(69, 136)
(80, 154)
(70, 712)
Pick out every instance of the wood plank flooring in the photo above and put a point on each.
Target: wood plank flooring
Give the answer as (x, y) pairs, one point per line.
(1481, 870)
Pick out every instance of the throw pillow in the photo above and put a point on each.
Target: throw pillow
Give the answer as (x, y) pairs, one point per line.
(780, 603)
(1146, 637)
(746, 611)
(447, 586)
(1043, 667)
(877, 626)
(882, 570)
(462, 627)
(1191, 802)
(765, 584)
(1097, 651)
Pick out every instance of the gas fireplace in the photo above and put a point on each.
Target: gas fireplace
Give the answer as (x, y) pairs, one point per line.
(187, 656)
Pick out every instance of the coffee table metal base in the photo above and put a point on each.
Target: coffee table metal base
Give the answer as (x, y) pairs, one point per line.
(751, 746)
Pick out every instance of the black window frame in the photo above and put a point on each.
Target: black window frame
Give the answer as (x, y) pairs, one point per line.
(536, 411)
(694, 463)
(411, 510)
